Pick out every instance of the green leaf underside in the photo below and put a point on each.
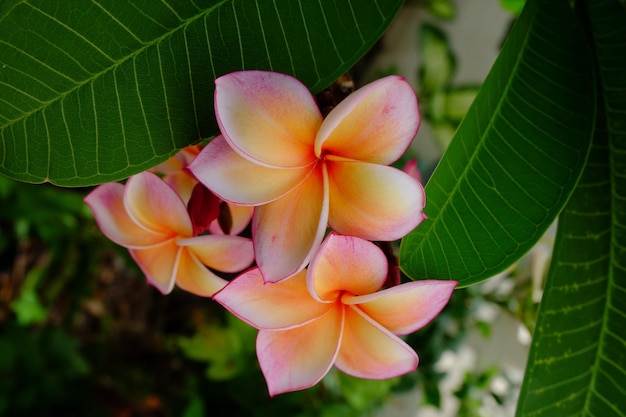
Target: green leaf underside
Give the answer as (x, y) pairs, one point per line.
(577, 363)
(92, 92)
(516, 156)
(566, 340)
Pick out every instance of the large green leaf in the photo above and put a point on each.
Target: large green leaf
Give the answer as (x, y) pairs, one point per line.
(577, 362)
(94, 91)
(516, 156)
(565, 349)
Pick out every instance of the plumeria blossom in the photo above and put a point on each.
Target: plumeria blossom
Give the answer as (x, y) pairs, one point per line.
(148, 218)
(334, 313)
(305, 173)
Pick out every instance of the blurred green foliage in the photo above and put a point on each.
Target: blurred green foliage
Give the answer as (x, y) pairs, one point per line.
(442, 103)
(81, 333)
(41, 372)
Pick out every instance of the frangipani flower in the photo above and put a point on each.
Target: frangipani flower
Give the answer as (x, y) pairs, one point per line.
(333, 314)
(148, 218)
(306, 173)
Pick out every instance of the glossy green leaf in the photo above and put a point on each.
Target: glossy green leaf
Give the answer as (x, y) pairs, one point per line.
(95, 91)
(516, 156)
(577, 362)
(566, 341)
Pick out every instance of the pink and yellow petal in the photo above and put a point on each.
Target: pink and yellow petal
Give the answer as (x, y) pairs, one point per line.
(280, 305)
(223, 253)
(192, 276)
(107, 204)
(374, 202)
(175, 174)
(374, 124)
(346, 264)
(287, 231)
(268, 117)
(159, 264)
(370, 351)
(405, 308)
(155, 205)
(298, 358)
(182, 183)
(240, 217)
(170, 166)
(178, 162)
(237, 180)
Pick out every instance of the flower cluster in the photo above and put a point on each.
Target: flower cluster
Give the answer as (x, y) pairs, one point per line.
(317, 301)
(167, 236)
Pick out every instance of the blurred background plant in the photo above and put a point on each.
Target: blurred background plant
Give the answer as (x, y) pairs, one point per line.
(82, 334)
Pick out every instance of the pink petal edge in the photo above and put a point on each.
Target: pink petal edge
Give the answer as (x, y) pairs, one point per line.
(373, 202)
(299, 357)
(239, 181)
(275, 306)
(375, 124)
(368, 350)
(107, 206)
(153, 204)
(407, 307)
(267, 117)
